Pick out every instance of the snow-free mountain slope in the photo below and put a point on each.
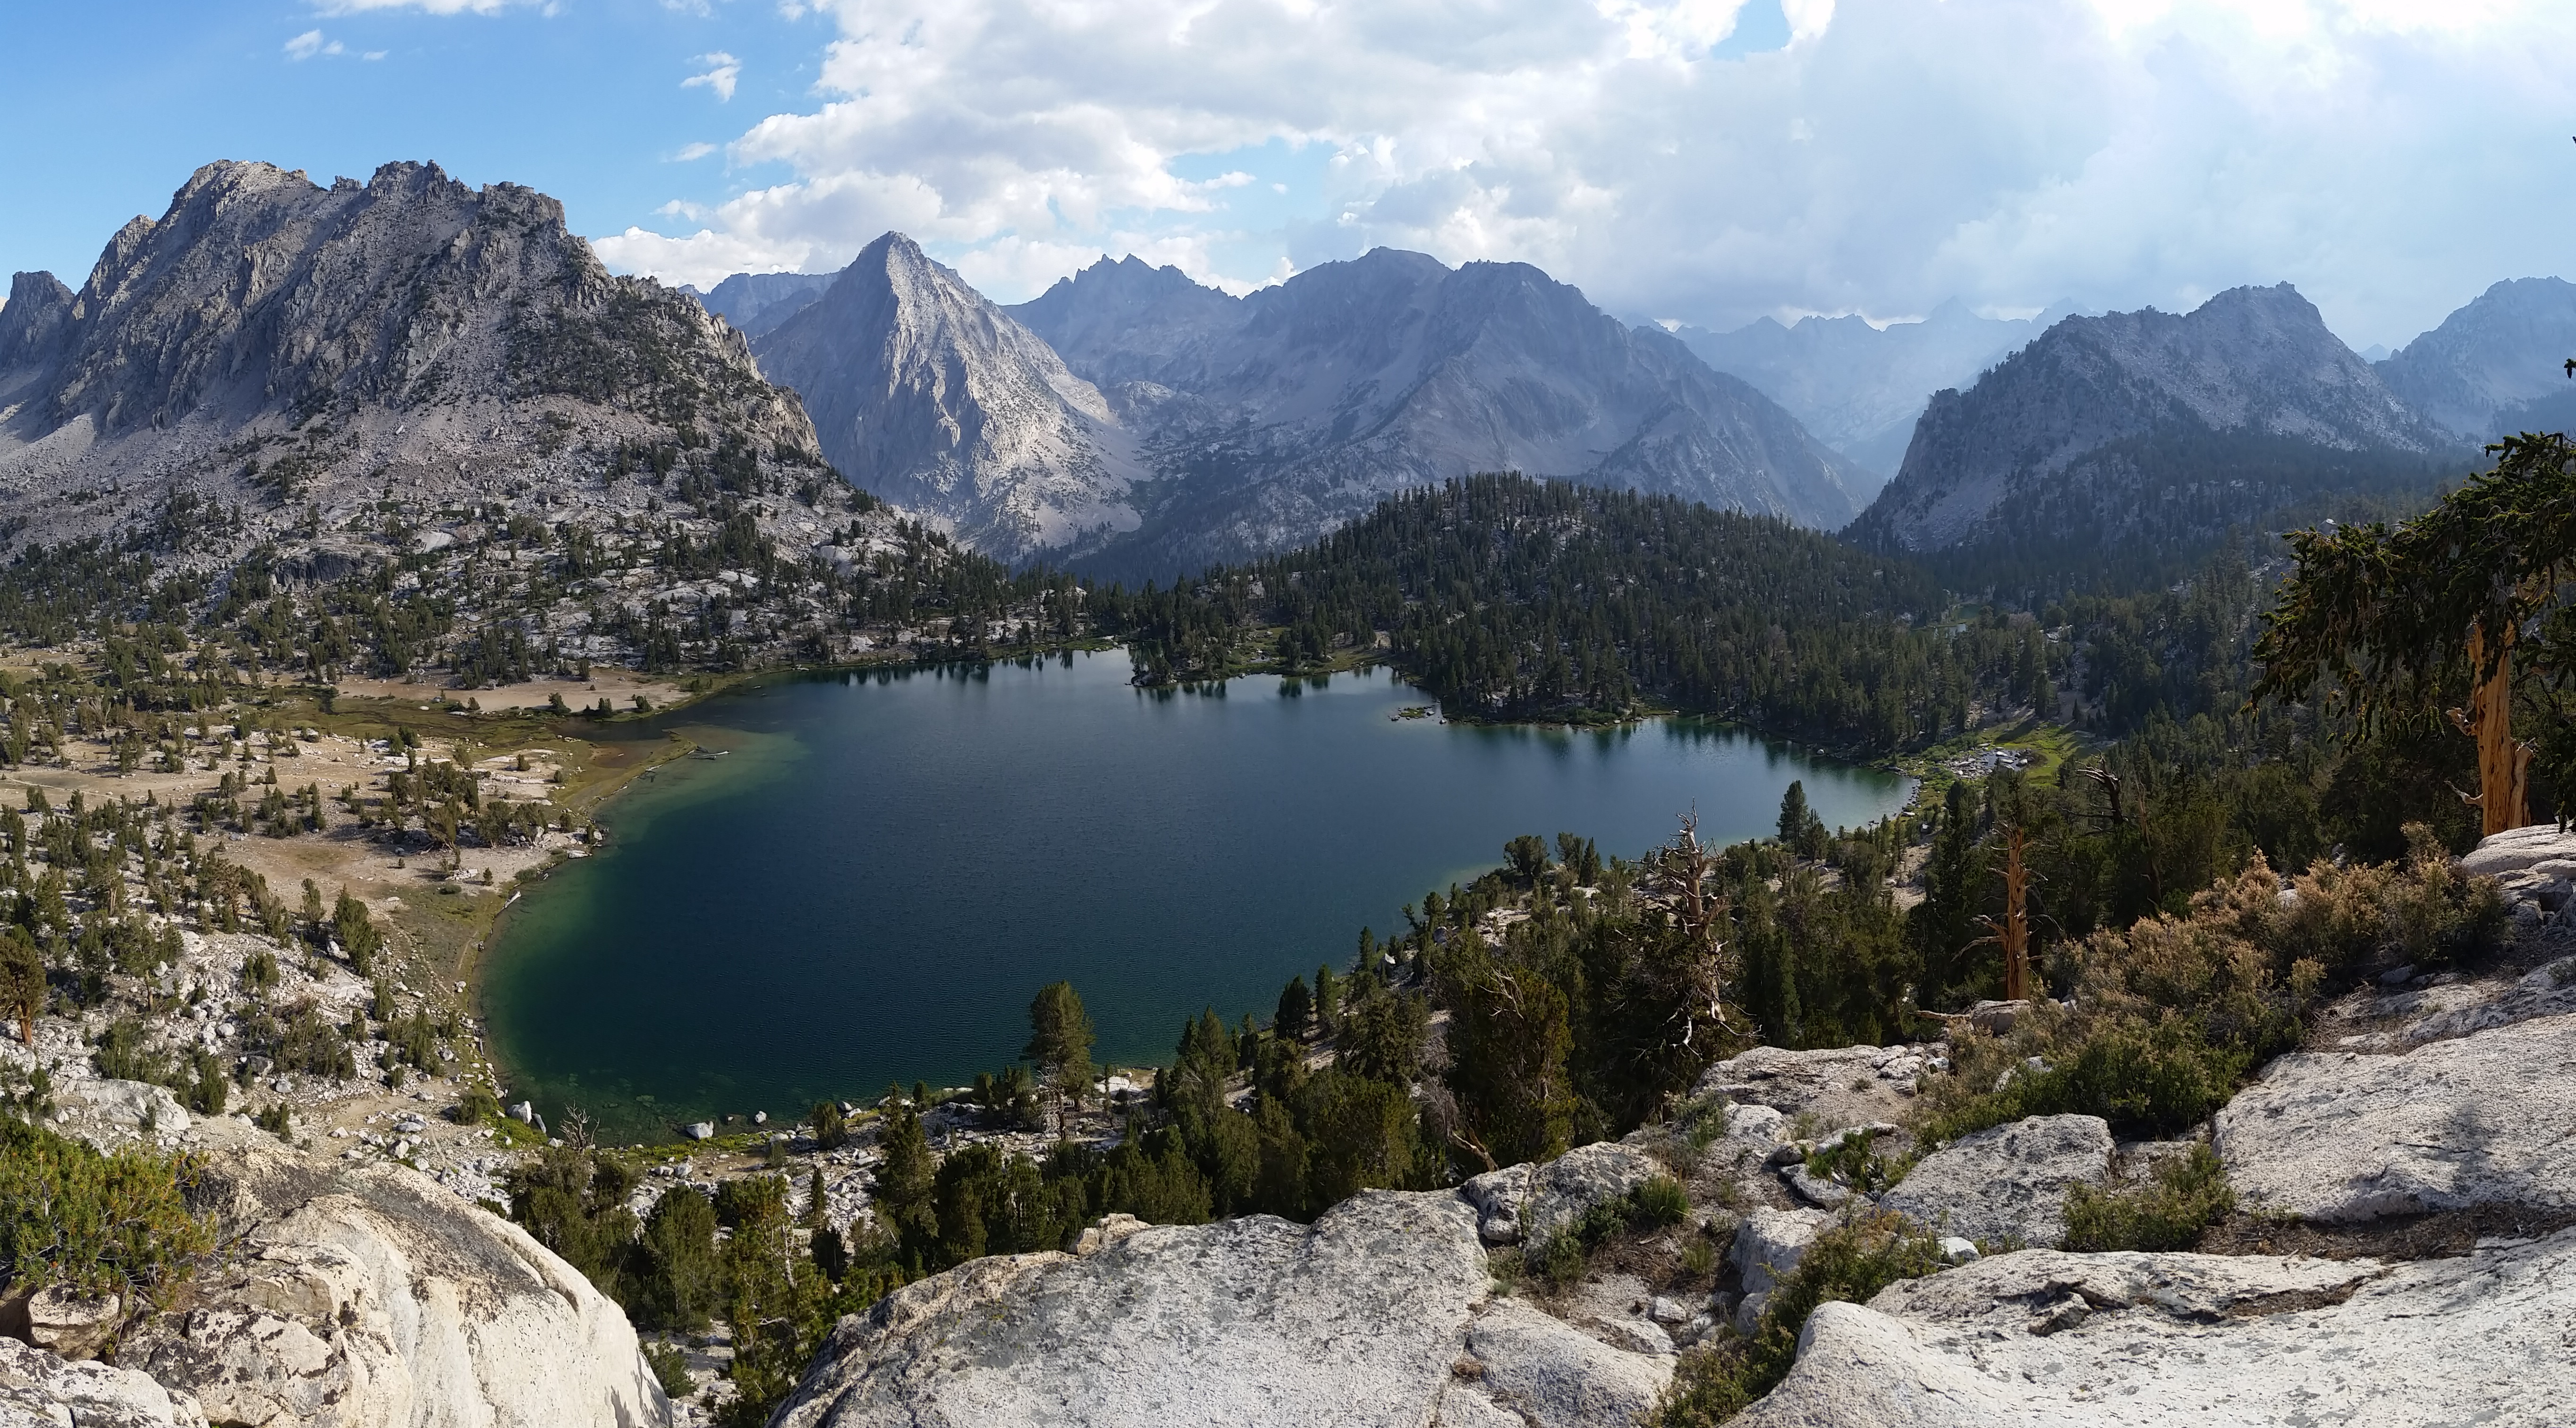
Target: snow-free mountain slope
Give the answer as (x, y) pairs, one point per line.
(287, 352)
(754, 303)
(2496, 366)
(1857, 387)
(1275, 417)
(2129, 423)
(932, 397)
(1128, 321)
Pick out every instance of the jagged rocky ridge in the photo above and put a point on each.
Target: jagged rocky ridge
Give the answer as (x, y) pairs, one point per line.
(1857, 387)
(754, 303)
(2147, 427)
(452, 342)
(567, 465)
(1132, 420)
(935, 399)
(2494, 367)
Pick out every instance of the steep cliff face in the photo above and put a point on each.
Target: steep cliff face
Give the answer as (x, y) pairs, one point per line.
(31, 326)
(2495, 367)
(2098, 427)
(1275, 417)
(934, 398)
(407, 331)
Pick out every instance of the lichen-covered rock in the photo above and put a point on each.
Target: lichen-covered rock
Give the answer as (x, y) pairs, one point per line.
(72, 1324)
(2046, 1338)
(1564, 1190)
(39, 1389)
(1769, 1243)
(367, 1295)
(1378, 1313)
(1553, 1376)
(2341, 1137)
(1499, 1197)
(1841, 1086)
(2008, 1183)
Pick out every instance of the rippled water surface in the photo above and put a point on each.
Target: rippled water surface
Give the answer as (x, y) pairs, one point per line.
(879, 872)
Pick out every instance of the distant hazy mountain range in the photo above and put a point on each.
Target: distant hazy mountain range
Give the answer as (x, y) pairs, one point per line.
(756, 302)
(1132, 420)
(2132, 431)
(2496, 366)
(1857, 387)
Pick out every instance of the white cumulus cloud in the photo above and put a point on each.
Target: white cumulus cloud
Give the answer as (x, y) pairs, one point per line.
(722, 71)
(2391, 157)
(305, 46)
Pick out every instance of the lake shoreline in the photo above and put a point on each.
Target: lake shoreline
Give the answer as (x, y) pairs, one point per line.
(1098, 696)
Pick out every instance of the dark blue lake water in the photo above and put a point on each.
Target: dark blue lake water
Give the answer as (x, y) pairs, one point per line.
(880, 872)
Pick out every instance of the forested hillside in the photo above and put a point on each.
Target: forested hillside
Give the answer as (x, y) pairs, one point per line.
(1509, 598)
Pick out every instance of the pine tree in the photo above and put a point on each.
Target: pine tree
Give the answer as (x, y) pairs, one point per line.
(1296, 1010)
(905, 1178)
(22, 981)
(1794, 814)
(1060, 1038)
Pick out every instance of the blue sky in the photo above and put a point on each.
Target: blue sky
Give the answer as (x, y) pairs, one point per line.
(1699, 160)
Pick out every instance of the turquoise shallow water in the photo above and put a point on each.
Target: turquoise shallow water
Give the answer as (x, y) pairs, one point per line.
(880, 871)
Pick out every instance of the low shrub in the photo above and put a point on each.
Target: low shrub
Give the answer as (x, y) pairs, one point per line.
(1561, 1259)
(670, 1368)
(1849, 1263)
(99, 1224)
(1855, 1161)
(2173, 1012)
(2161, 1076)
(2186, 1196)
(476, 1107)
(119, 1055)
(1658, 1202)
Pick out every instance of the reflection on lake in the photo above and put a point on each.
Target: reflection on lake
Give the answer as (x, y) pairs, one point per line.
(881, 870)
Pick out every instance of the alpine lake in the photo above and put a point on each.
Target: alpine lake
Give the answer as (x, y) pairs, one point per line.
(863, 879)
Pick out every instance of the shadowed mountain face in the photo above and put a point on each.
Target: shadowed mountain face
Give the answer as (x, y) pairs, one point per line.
(2497, 366)
(928, 395)
(297, 354)
(1132, 421)
(1857, 387)
(2144, 426)
(1273, 418)
(754, 303)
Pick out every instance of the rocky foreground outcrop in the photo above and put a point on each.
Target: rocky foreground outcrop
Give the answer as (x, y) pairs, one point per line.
(1381, 1312)
(2045, 1338)
(352, 1297)
(2345, 1137)
(2440, 1130)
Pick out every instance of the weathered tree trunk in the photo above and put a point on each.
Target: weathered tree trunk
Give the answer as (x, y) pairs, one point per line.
(2504, 763)
(2013, 933)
